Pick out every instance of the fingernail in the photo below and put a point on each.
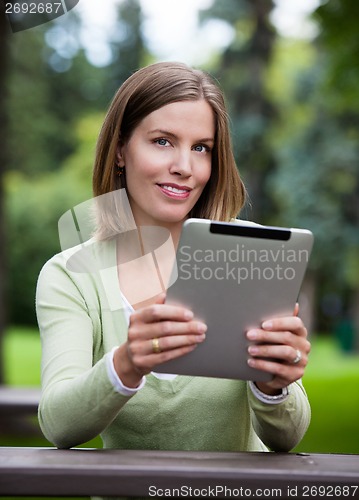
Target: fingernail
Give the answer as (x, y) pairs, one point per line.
(252, 349)
(251, 362)
(267, 325)
(252, 335)
(201, 338)
(201, 327)
(188, 314)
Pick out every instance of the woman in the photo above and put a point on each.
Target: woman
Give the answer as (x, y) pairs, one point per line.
(165, 140)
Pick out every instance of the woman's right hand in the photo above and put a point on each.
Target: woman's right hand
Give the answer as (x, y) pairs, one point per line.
(156, 334)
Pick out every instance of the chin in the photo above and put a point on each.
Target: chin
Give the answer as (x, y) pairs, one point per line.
(173, 218)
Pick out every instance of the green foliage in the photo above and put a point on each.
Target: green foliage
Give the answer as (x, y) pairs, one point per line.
(43, 104)
(33, 209)
(34, 206)
(86, 132)
(240, 71)
(31, 127)
(339, 39)
(54, 98)
(316, 180)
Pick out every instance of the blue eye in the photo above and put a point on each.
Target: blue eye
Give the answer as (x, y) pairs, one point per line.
(161, 142)
(201, 148)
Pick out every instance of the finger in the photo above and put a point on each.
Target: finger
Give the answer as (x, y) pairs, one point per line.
(160, 312)
(141, 331)
(296, 309)
(290, 323)
(281, 338)
(158, 345)
(283, 353)
(147, 363)
(283, 374)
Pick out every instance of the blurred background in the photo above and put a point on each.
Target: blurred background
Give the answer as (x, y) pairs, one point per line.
(290, 73)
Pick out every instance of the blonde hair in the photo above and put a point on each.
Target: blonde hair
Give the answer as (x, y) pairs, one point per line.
(145, 91)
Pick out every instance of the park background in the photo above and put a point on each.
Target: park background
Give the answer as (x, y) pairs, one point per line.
(290, 72)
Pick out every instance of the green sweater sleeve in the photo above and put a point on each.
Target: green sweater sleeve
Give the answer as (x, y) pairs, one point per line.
(78, 400)
(281, 426)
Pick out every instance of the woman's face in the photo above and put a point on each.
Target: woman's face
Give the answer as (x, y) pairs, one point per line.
(168, 162)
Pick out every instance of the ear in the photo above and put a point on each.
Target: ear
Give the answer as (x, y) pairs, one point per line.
(120, 154)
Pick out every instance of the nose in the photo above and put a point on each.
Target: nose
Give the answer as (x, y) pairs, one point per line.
(181, 163)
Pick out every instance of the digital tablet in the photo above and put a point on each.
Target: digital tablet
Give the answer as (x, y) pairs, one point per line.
(233, 276)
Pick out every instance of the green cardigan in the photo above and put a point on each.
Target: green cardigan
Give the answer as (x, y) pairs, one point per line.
(80, 315)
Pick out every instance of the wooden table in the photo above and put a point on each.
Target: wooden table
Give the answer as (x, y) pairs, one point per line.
(84, 472)
(19, 401)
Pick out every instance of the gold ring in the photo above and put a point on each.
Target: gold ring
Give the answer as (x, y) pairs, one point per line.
(156, 345)
(297, 358)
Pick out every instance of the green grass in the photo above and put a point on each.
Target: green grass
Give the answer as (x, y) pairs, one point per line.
(22, 356)
(331, 381)
(332, 384)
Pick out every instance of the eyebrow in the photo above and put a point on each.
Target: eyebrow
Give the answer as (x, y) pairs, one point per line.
(171, 134)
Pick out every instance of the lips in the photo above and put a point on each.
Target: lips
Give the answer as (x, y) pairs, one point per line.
(175, 190)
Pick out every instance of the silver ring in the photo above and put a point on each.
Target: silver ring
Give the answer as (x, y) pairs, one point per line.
(297, 358)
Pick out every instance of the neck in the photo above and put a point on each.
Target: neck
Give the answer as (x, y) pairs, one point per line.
(176, 233)
(173, 228)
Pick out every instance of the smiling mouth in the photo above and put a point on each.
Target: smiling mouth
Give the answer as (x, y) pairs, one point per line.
(174, 189)
(179, 192)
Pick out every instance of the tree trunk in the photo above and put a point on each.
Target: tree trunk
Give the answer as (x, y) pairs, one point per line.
(4, 30)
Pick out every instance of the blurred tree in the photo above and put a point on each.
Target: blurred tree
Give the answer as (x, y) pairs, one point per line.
(316, 184)
(3, 162)
(338, 37)
(44, 105)
(339, 40)
(242, 73)
(51, 84)
(128, 47)
(30, 125)
(44, 100)
(55, 102)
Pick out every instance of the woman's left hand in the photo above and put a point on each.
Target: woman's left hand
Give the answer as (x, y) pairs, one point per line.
(283, 344)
